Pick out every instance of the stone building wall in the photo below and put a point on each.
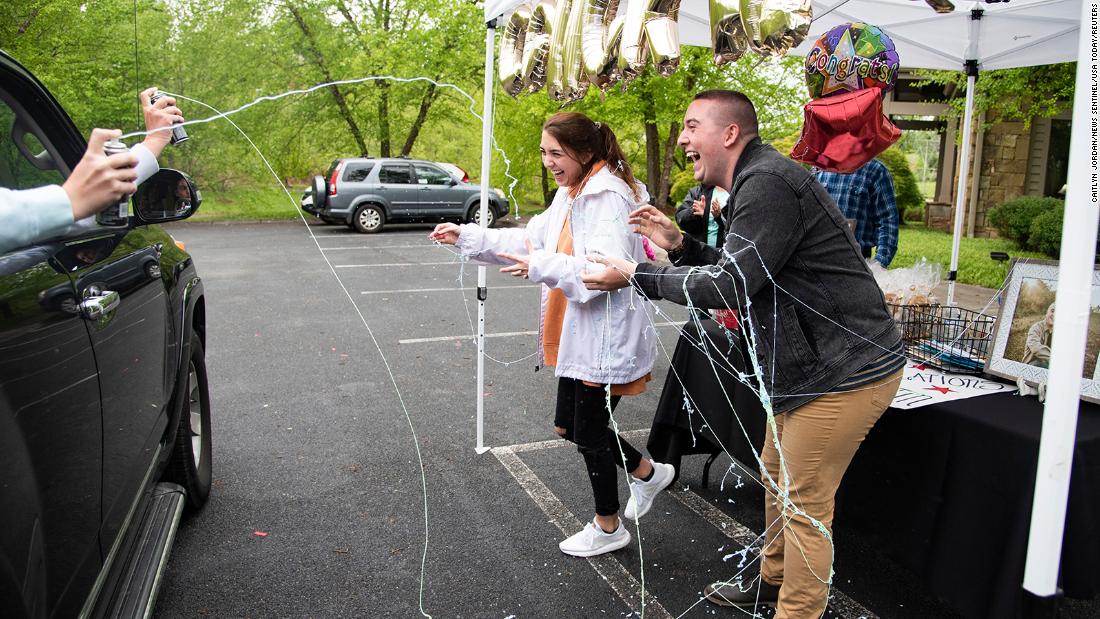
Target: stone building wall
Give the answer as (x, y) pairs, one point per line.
(1003, 175)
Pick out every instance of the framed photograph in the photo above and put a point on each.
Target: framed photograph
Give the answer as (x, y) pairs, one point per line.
(1021, 342)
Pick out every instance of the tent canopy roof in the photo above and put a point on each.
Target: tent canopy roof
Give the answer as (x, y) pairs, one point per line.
(1016, 34)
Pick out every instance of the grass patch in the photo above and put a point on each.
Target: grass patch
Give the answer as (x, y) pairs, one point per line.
(247, 204)
(975, 265)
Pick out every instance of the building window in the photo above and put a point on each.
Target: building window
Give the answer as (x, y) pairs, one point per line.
(1057, 159)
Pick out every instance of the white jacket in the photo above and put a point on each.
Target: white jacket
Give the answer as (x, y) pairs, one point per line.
(606, 336)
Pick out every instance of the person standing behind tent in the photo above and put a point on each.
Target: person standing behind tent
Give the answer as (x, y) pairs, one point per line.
(593, 339)
(867, 196)
(703, 224)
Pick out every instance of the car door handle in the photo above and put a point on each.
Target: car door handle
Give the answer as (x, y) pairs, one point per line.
(97, 306)
(425, 189)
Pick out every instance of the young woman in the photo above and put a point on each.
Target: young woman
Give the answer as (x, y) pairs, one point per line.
(596, 341)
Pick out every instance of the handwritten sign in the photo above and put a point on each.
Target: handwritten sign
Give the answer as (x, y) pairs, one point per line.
(924, 385)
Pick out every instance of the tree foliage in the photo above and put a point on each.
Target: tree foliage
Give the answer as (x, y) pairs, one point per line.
(95, 57)
(907, 195)
(1021, 93)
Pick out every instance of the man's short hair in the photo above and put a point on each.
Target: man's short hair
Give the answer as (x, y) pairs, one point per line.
(735, 108)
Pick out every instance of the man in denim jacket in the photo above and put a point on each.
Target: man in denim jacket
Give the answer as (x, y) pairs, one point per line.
(828, 355)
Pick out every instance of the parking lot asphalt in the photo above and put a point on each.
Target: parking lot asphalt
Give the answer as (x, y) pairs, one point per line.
(318, 502)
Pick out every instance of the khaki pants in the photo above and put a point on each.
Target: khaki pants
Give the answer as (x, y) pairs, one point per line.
(818, 440)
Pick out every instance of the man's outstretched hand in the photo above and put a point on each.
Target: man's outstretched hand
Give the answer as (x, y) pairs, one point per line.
(657, 226)
(617, 274)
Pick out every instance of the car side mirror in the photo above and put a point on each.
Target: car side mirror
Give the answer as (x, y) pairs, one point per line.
(168, 195)
(452, 182)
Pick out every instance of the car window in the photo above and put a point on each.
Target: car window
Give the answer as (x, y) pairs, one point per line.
(16, 171)
(357, 172)
(431, 175)
(397, 173)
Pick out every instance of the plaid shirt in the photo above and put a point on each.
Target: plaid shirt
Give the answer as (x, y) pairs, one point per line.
(867, 196)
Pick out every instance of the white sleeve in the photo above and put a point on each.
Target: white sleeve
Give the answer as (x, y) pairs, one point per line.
(609, 235)
(483, 244)
(147, 164)
(30, 215)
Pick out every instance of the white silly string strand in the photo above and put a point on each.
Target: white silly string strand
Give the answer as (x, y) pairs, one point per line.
(358, 80)
(378, 347)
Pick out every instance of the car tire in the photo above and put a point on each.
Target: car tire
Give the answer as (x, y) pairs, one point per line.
(369, 219)
(190, 464)
(490, 216)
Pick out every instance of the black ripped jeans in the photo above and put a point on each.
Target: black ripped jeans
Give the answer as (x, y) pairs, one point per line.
(582, 412)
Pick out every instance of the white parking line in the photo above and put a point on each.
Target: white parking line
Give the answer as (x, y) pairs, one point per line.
(557, 442)
(394, 264)
(609, 568)
(421, 245)
(451, 289)
(451, 338)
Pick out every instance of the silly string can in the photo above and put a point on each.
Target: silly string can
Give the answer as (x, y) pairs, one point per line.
(179, 134)
(118, 214)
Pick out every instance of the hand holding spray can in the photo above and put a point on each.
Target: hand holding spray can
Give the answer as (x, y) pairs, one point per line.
(179, 134)
(117, 214)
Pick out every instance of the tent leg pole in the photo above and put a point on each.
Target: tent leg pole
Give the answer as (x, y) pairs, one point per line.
(1071, 322)
(960, 188)
(482, 290)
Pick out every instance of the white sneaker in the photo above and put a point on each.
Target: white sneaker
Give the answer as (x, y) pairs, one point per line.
(592, 541)
(642, 493)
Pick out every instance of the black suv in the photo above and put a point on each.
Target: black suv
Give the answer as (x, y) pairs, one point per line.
(367, 193)
(104, 406)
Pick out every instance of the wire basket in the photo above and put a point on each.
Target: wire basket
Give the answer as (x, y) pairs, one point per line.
(950, 339)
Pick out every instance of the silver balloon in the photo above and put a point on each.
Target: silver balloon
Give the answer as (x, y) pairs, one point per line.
(632, 50)
(941, 6)
(511, 51)
(663, 36)
(600, 42)
(555, 74)
(536, 46)
(574, 78)
(649, 25)
(775, 26)
(727, 34)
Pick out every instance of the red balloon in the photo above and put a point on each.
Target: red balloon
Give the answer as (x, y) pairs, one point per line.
(843, 132)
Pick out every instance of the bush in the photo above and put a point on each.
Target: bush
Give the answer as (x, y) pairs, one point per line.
(1013, 219)
(906, 193)
(682, 182)
(1045, 234)
(915, 215)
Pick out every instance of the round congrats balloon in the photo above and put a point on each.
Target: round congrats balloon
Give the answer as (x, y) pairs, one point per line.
(851, 57)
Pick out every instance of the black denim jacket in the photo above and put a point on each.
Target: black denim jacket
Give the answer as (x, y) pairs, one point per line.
(820, 317)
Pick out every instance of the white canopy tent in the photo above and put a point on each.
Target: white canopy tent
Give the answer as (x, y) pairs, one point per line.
(976, 36)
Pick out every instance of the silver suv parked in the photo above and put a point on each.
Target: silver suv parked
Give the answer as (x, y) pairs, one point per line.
(365, 194)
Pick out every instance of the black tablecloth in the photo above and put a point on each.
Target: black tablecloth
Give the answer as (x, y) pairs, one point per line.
(706, 425)
(947, 490)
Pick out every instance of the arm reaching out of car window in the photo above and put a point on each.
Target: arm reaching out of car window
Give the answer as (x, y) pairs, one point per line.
(100, 180)
(97, 181)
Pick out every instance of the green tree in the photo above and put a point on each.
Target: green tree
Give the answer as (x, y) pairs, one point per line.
(1021, 93)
